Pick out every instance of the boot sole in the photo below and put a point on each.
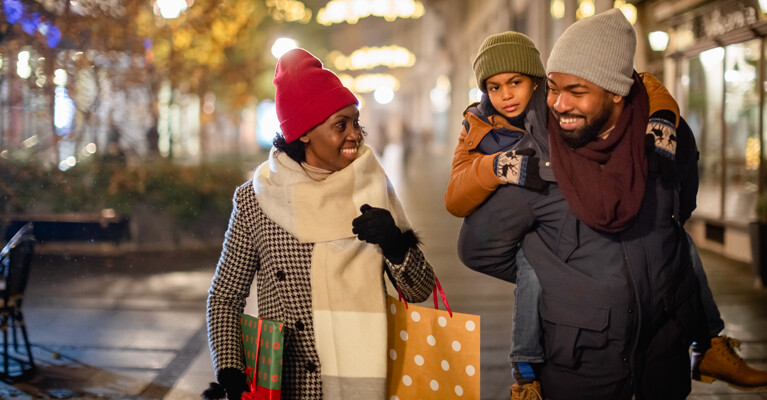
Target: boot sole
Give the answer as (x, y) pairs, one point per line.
(710, 379)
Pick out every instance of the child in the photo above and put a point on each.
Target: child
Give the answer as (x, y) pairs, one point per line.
(504, 141)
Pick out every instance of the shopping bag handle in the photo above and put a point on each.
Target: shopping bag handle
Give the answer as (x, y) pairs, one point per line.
(437, 286)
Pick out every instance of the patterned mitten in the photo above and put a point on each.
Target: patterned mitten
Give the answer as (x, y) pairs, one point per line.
(661, 140)
(519, 167)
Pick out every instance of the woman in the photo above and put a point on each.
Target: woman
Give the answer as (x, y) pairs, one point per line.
(296, 228)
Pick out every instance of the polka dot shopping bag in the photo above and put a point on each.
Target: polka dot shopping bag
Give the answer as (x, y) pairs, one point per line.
(433, 354)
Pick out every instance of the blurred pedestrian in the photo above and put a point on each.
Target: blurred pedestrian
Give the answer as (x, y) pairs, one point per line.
(296, 228)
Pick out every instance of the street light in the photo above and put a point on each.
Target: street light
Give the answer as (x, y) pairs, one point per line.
(658, 40)
(383, 95)
(170, 9)
(282, 46)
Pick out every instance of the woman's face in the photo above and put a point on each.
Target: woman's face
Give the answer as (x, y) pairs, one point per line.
(333, 144)
(509, 92)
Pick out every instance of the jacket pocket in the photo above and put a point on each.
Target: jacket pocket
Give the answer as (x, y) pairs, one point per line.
(685, 307)
(570, 328)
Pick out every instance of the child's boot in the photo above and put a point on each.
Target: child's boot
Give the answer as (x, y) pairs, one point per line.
(526, 387)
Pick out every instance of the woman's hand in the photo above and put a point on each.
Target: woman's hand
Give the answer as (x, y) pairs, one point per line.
(231, 384)
(376, 226)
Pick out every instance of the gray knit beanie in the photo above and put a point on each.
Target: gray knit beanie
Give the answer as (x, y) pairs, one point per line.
(599, 49)
(507, 52)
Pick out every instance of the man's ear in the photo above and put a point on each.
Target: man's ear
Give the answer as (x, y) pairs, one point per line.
(304, 139)
(617, 99)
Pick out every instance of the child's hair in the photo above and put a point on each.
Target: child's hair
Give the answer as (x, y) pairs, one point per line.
(296, 149)
(507, 52)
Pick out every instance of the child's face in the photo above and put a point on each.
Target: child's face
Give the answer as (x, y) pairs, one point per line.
(509, 92)
(333, 144)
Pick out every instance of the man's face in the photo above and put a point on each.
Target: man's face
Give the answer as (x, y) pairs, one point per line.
(583, 110)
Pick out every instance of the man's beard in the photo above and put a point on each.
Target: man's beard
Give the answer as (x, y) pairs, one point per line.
(580, 137)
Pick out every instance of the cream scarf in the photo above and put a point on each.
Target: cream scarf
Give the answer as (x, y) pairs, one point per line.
(348, 293)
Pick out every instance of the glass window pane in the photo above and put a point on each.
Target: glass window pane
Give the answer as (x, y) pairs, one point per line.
(703, 89)
(741, 115)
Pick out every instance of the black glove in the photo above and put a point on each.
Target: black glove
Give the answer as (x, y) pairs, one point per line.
(231, 380)
(519, 167)
(214, 392)
(376, 226)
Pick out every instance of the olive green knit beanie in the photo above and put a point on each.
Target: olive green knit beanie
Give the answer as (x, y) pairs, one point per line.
(507, 52)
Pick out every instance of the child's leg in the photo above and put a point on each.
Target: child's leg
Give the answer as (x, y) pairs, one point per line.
(526, 332)
(713, 318)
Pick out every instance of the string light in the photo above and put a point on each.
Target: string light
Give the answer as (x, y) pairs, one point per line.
(557, 9)
(629, 10)
(289, 10)
(367, 83)
(370, 57)
(351, 11)
(585, 9)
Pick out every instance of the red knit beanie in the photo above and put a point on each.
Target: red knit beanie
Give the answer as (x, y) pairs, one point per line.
(306, 94)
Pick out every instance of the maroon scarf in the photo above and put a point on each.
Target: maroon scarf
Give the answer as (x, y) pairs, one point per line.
(604, 181)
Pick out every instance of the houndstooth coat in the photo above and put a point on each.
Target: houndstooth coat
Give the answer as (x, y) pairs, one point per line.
(256, 246)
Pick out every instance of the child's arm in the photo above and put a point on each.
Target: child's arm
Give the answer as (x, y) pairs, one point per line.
(475, 175)
(662, 104)
(661, 128)
(472, 178)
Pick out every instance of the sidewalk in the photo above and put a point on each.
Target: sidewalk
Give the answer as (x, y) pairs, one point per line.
(127, 328)
(134, 327)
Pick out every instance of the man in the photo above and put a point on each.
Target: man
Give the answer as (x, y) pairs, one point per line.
(620, 304)
(571, 82)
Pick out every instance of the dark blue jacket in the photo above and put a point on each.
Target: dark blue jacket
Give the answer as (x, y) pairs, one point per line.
(619, 311)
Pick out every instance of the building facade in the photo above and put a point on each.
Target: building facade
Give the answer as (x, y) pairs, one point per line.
(714, 66)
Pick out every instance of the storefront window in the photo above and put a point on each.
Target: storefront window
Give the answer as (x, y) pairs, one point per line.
(741, 115)
(703, 88)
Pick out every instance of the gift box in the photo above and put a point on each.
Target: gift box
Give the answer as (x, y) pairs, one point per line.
(262, 342)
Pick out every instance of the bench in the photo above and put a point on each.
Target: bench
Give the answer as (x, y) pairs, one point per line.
(105, 226)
